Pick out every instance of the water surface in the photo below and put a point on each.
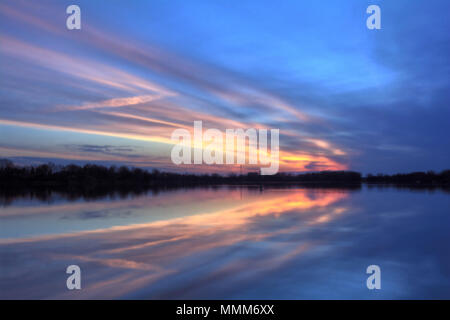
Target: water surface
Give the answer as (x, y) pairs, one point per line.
(229, 243)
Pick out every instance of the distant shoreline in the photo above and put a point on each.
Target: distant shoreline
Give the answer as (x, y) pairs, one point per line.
(97, 182)
(94, 176)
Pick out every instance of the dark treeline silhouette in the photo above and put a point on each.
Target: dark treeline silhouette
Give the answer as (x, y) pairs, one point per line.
(91, 182)
(414, 178)
(91, 176)
(96, 176)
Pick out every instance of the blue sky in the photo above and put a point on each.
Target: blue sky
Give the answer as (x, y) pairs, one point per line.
(343, 96)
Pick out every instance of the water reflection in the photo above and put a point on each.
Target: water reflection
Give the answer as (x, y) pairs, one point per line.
(229, 243)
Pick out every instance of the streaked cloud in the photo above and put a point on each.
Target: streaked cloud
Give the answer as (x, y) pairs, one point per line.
(135, 84)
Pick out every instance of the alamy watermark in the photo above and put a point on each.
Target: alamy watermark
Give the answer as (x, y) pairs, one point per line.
(374, 20)
(215, 147)
(73, 22)
(374, 280)
(74, 280)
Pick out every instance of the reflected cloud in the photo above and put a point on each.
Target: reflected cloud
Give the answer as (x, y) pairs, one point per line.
(232, 243)
(151, 252)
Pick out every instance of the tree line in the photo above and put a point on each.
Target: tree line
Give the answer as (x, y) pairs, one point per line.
(92, 175)
(425, 178)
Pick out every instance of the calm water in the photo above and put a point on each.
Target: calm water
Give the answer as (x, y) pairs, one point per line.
(229, 243)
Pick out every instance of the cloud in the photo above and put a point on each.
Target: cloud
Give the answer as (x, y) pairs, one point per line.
(122, 151)
(343, 104)
(114, 103)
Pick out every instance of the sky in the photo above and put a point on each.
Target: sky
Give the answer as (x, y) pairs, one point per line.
(342, 96)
